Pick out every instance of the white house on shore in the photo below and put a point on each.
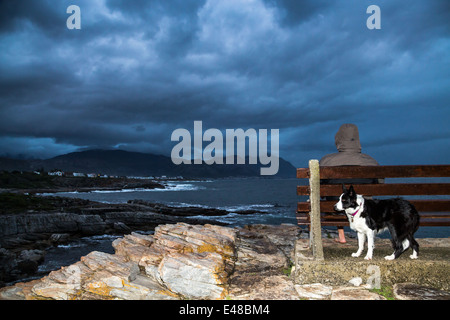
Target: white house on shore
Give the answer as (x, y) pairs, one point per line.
(56, 173)
(79, 174)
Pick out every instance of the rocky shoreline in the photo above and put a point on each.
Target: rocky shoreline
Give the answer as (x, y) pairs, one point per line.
(28, 182)
(182, 261)
(25, 236)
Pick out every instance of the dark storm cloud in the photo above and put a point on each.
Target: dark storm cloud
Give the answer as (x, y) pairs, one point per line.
(42, 14)
(294, 12)
(139, 69)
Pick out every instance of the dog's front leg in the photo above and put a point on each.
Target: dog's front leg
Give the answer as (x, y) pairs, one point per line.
(361, 239)
(370, 245)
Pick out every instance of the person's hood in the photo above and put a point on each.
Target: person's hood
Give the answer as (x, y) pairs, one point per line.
(347, 138)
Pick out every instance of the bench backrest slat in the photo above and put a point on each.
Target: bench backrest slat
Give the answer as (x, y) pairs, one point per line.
(392, 189)
(349, 172)
(421, 206)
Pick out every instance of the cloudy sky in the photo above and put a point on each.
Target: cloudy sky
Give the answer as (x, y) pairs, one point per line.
(139, 69)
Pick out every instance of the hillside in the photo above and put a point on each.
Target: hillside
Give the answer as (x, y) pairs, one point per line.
(125, 163)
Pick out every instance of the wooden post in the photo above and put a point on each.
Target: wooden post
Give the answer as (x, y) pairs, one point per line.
(316, 230)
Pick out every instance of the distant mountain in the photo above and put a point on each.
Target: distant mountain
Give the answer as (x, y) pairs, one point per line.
(8, 164)
(125, 163)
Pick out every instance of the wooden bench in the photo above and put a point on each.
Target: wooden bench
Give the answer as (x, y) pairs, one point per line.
(433, 211)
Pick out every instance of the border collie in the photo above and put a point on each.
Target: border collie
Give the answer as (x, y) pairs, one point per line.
(369, 217)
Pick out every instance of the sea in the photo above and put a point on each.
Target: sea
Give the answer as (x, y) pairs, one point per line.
(274, 199)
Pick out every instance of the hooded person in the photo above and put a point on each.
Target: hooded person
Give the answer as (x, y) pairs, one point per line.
(349, 154)
(349, 147)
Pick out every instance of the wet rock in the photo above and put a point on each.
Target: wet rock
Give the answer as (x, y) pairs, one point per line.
(187, 211)
(59, 238)
(28, 261)
(32, 255)
(90, 225)
(121, 227)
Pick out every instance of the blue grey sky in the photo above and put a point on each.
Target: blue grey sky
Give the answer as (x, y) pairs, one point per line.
(137, 70)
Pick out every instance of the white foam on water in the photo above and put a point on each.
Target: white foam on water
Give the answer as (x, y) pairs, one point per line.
(168, 187)
(247, 207)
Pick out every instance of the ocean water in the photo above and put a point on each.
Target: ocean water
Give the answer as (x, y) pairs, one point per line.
(274, 199)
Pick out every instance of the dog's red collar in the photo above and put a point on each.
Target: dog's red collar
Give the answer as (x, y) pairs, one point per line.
(354, 214)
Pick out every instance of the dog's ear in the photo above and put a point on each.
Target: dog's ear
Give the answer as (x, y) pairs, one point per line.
(344, 189)
(351, 191)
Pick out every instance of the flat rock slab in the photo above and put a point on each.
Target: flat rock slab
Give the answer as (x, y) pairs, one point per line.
(263, 287)
(314, 291)
(318, 291)
(411, 291)
(352, 293)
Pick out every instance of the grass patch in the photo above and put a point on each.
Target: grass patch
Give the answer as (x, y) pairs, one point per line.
(25, 180)
(385, 291)
(12, 203)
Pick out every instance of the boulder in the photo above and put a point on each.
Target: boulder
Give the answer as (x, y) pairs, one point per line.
(194, 275)
(99, 276)
(59, 238)
(121, 227)
(32, 255)
(28, 261)
(195, 238)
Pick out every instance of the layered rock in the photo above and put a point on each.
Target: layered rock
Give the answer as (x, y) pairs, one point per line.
(188, 211)
(265, 255)
(178, 261)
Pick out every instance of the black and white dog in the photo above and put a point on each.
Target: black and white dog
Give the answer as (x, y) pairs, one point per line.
(369, 217)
